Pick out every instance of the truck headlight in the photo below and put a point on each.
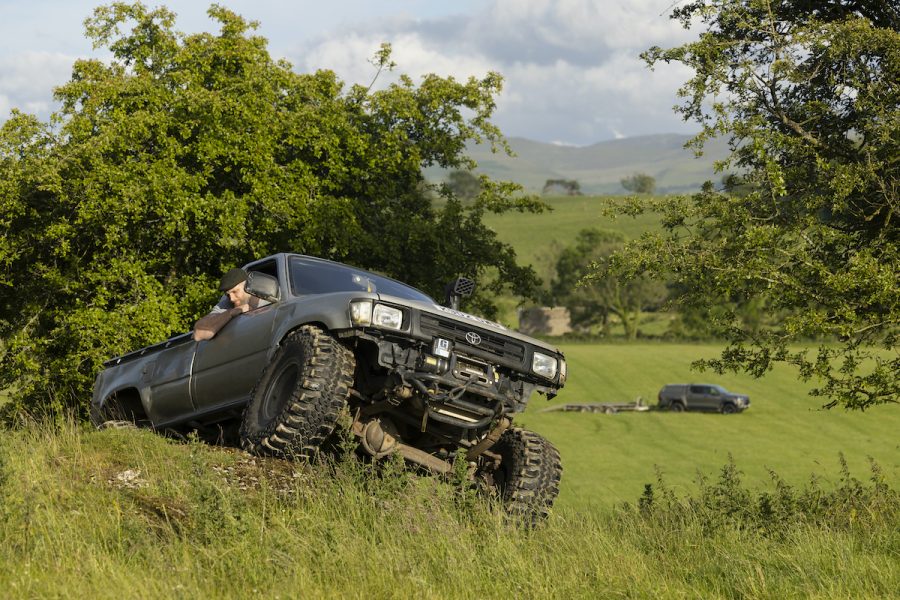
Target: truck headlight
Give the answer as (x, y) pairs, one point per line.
(361, 312)
(365, 313)
(387, 317)
(544, 365)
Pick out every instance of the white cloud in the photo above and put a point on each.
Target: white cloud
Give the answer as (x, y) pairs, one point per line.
(349, 57)
(582, 31)
(418, 57)
(571, 67)
(27, 80)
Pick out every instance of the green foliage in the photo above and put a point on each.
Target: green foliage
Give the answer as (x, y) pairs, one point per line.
(639, 183)
(808, 97)
(699, 322)
(592, 301)
(728, 504)
(538, 238)
(186, 154)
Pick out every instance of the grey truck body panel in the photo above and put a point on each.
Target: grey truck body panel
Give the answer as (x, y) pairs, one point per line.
(182, 380)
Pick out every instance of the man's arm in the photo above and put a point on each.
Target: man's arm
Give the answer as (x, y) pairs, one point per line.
(209, 326)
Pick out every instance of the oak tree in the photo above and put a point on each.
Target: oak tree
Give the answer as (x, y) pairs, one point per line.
(186, 154)
(639, 183)
(593, 299)
(808, 93)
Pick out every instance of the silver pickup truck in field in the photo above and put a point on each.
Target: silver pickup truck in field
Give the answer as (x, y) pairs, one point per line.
(413, 377)
(679, 397)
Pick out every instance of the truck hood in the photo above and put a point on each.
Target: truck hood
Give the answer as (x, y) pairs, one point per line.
(473, 320)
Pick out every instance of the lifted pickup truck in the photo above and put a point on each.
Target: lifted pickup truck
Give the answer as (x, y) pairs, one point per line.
(416, 378)
(679, 397)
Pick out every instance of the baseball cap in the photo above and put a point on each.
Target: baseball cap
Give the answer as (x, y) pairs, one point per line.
(232, 278)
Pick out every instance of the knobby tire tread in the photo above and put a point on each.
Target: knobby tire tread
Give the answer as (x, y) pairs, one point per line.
(315, 404)
(533, 474)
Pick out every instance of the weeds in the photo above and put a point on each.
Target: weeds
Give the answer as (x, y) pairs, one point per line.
(727, 504)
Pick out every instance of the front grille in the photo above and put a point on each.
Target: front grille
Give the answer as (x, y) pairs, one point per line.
(492, 345)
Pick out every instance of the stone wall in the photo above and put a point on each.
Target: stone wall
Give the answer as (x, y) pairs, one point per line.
(543, 320)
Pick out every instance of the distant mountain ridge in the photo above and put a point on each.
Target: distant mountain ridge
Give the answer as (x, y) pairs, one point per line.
(599, 168)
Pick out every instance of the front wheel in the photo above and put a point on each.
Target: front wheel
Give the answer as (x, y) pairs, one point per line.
(298, 399)
(527, 479)
(729, 409)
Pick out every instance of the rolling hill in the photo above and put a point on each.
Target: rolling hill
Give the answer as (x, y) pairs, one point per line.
(600, 167)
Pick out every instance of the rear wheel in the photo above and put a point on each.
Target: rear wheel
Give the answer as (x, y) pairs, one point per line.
(677, 407)
(298, 399)
(120, 411)
(527, 479)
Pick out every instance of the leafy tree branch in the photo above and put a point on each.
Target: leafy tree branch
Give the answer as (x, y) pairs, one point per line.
(808, 96)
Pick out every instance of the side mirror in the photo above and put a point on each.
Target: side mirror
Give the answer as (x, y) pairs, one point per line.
(263, 286)
(456, 289)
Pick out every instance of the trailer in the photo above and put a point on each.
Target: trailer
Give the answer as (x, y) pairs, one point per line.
(607, 408)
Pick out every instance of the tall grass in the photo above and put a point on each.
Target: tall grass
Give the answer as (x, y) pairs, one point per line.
(129, 514)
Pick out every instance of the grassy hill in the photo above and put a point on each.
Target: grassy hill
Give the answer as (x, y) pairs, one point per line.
(537, 238)
(129, 514)
(600, 167)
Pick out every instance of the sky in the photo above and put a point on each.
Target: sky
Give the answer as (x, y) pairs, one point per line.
(572, 74)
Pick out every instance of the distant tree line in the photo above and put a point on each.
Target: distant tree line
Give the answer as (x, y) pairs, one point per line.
(597, 299)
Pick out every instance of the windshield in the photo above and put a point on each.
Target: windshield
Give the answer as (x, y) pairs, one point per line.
(315, 276)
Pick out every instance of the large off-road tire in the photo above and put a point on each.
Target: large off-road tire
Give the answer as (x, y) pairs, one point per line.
(729, 408)
(298, 399)
(677, 407)
(527, 480)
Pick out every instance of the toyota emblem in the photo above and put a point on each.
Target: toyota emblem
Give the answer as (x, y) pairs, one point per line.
(473, 338)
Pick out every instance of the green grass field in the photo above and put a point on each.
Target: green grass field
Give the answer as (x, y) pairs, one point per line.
(608, 458)
(537, 237)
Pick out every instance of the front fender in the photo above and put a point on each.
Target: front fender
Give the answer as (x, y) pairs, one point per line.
(331, 312)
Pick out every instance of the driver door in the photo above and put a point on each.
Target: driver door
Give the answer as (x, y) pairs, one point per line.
(227, 367)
